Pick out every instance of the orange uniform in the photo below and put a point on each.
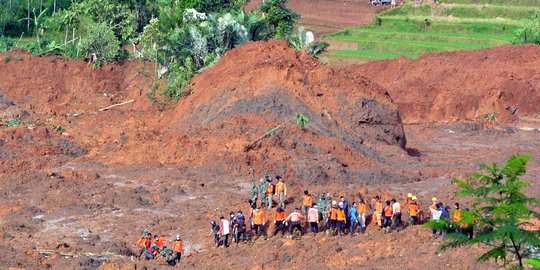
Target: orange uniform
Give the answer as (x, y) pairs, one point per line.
(413, 210)
(333, 213)
(270, 189)
(281, 187)
(160, 242)
(378, 207)
(178, 246)
(388, 211)
(280, 216)
(258, 217)
(457, 216)
(361, 208)
(142, 243)
(341, 215)
(308, 200)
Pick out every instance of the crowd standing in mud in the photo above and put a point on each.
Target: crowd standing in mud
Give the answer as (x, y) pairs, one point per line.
(333, 216)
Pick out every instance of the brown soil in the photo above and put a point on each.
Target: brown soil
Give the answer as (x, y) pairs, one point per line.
(79, 198)
(465, 85)
(327, 16)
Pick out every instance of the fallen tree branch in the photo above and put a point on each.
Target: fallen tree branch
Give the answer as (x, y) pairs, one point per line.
(116, 105)
(254, 143)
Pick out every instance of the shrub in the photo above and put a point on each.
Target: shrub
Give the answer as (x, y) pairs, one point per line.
(101, 41)
(6, 44)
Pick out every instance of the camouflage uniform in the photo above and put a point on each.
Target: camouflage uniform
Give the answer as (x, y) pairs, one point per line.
(254, 192)
(322, 206)
(262, 190)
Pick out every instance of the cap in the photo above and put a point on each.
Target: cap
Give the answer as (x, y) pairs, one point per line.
(434, 199)
(334, 202)
(414, 198)
(409, 195)
(340, 204)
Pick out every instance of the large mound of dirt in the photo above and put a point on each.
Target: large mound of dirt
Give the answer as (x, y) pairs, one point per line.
(464, 85)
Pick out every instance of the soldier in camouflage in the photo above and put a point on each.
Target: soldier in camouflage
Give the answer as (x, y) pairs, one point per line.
(262, 189)
(322, 206)
(254, 192)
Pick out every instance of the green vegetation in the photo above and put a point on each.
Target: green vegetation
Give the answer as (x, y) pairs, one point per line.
(411, 30)
(501, 214)
(301, 120)
(181, 38)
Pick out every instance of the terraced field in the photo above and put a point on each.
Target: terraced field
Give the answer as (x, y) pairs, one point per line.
(412, 30)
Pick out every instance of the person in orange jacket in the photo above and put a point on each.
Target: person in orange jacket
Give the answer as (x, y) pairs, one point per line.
(160, 241)
(362, 210)
(456, 218)
(295, 218)
(413, 211)
(341, 218)
(258, 222)
(178, 248)
(388, 214)
(333, 217)
(307, 202)
(281, 190)
(279, 222)
(144, 243)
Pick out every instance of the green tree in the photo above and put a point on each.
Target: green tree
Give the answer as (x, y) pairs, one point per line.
(531, 32)
(280, 18)
(499, 204)
(101, 41)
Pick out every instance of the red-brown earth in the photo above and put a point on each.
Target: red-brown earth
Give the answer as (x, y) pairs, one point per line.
(78, 197)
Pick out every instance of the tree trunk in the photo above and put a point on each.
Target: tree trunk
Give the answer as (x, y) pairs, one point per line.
(28, 16)
(516, 249)
(54, 7)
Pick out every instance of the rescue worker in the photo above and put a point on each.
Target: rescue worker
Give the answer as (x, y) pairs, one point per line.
(225, 231)
(353, 219)
(234, 226)
(436, 216)
(241, 230)
(387, 216)
(279, 222)
(432, 207)
(178, 248)
(413, 211)
(341, 218)
(270, 191)
(362, 210)
(396, 214)
(333, 217)
(281, 190)
(254, 192)
(214, 229)
(307, 202)
(456, 218)
(252, 207)
(144, 243)
(294, 218)
(377, 217)
(313, 218)
(263, 190)
(345, 208)
(159, 242)
(258, 222)
(322, 207)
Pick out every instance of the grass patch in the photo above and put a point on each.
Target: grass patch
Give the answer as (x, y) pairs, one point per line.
(366, 54)
(531, 3)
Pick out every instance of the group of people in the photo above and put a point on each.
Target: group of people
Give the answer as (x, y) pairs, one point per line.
(334, 216)
(155, 247)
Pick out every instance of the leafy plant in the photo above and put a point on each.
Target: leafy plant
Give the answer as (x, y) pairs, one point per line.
(6, 44)
(280, 18)
(13, 123)
(531, 32)
(58, 128)
(301, 120)
(499, 204)
(491, 117)
(101, 42)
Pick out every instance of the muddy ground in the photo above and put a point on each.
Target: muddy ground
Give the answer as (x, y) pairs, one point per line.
(79, 184)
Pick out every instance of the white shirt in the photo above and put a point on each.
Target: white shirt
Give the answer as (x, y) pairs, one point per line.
(437, 214)
(396, 207)
(225, 227)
